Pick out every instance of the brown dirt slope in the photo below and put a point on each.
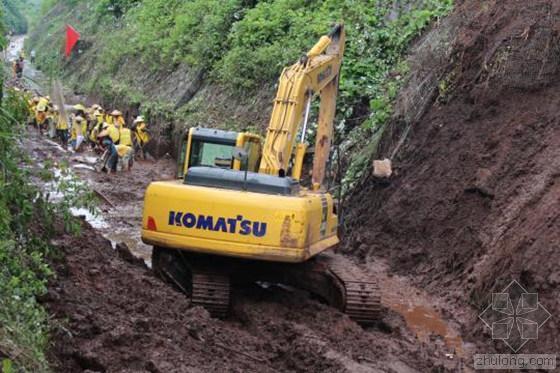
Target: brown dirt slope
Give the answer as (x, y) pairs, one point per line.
(110, 314)
(475, 202)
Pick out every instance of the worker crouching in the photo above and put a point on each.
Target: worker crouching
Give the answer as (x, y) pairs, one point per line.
(108, 138)
(126, 157)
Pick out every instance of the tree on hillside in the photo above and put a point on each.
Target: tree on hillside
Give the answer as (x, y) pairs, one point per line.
(116, 7)
(13, 17)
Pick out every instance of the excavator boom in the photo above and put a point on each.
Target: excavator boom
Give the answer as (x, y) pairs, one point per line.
(316, 73)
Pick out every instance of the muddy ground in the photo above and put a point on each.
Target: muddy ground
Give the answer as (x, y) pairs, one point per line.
(474, 203)
(111, 313)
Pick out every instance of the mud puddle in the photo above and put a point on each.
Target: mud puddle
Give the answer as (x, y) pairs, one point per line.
(123, 215)
(422, 314)
(118, 216)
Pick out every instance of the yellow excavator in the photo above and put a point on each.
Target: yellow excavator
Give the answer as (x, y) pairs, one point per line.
(238, 212)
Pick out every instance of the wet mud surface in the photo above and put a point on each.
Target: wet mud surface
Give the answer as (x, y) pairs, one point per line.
(113, 315)
(474, 203)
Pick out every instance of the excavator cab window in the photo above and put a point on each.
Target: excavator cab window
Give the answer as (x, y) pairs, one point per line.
(210, 154)
(208, 147)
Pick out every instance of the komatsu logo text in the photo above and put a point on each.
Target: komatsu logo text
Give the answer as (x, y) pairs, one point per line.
(237, 225)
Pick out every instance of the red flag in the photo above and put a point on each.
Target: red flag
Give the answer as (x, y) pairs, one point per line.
(72, 37)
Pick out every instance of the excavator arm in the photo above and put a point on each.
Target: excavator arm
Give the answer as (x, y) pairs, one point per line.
(315, 74)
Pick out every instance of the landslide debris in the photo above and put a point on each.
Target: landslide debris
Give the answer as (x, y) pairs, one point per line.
(475, 199)
(111, 314)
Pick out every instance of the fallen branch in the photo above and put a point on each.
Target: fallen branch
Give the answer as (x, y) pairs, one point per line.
(103, 197)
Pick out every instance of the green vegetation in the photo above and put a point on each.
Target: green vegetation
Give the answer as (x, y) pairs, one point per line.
(241, 46)
(27, 220)
(14, 18)
(24, 272)
(116, 7)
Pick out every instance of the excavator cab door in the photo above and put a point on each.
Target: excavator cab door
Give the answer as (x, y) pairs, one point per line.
(252, 146)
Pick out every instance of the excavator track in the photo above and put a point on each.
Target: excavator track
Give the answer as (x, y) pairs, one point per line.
(207, 288)
(361, 299)
(332, 277)
(340, 282)
(211, 290)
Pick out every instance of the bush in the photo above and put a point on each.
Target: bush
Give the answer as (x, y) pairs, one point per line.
(172, 31)
(26, 221)
(13, 17)
(23, 274)
(116, 8)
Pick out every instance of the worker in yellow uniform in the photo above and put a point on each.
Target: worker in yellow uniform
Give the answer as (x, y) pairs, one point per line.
(125, 136)
(78, 132)
(97, 126)
(61, 127)
(99, 115)
(32, 109)
(126, 156)
(125, 148)
(108, 118)
(44, 100)
(114, 133)
(80, 110)
(142, 135)
(41, 113)
(93, 109)
(118, 119)
(91, 115)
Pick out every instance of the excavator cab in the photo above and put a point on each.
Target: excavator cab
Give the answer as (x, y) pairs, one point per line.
(208, 147)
